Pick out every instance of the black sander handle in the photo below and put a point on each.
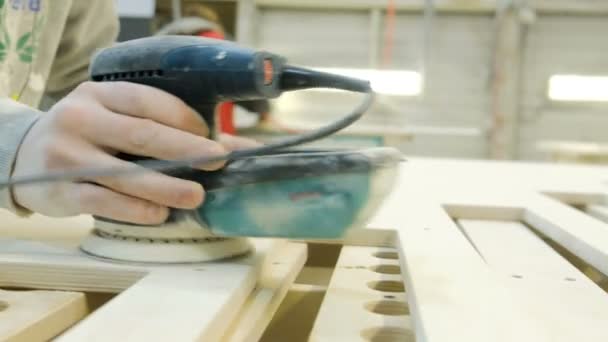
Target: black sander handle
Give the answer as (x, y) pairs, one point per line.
(200, 71)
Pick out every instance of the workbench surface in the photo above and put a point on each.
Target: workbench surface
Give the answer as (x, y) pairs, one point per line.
(459, 251)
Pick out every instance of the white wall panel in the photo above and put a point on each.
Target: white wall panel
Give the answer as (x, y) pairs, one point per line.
(561, 44)
(457, 88)
(319, 38)
(456, 93)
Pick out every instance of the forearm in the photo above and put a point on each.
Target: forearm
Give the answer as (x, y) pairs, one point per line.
(15, 121)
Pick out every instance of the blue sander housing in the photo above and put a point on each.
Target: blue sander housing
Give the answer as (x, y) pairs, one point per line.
(276, 192)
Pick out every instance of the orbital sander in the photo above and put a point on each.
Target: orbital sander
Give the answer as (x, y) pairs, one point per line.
(276, 190)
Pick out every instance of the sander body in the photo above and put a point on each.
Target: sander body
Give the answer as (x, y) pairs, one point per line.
(284, 193)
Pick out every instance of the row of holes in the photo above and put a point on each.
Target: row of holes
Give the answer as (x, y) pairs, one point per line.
(386, 306)
(127, 75)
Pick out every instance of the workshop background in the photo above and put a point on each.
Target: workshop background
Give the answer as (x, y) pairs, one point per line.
(484, 79)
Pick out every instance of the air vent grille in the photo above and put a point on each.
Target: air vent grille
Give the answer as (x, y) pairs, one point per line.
(118, 76)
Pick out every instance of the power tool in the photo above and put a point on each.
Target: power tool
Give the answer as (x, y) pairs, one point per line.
(274, 190)
(205, 71)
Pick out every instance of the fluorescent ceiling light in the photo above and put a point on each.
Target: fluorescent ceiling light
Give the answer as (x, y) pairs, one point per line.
(389, 82)
(135, 8)
(578, 88)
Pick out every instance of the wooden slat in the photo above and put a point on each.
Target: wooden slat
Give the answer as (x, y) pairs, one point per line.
(555, 300)
(514, 250)
(600, 212)
(362, 303)
(36, 265)
(38, 315)
(453, 295)
(581, 234)
(278, 274)
(55, 231)
(453, 292)
(171, 305)
(198, 301)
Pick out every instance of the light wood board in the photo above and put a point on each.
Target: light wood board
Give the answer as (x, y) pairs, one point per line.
(453, 293)
(365, 299)
(481, 253)
(38, 315)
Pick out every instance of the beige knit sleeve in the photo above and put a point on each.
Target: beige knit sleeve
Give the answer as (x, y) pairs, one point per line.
(15, 121)
(90, 25)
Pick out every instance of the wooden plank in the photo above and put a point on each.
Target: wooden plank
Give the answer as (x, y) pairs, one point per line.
(365, 298)
(66, 232)
(511, 247)
(37, 265)
(573, 197)
(541, 283)
(600, 212)
(38, 315)
(372, 236)
(480, 212)
(581, 234)
(202, 299)
(179, 305)
(452, 294)
(278, 274)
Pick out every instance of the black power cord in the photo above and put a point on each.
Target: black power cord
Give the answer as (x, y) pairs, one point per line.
(293, 78)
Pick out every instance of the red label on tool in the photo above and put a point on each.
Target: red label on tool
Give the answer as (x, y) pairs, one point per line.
(297, 196)
(268, 71)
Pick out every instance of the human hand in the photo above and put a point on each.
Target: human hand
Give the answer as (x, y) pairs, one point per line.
(233, 142)
(94, 123)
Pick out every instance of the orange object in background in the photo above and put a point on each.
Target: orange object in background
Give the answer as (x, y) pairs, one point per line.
(225, 110)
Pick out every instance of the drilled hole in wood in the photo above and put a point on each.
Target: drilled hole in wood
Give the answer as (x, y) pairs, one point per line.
(386, 286)
(388, 307)
(386, 255)
(386, 269)
(388, 334)
(3, 305)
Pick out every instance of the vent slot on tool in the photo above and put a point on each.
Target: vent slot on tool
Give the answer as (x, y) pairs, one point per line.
(118, 76)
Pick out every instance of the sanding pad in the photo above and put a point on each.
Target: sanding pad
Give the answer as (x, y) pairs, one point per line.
(179, 242)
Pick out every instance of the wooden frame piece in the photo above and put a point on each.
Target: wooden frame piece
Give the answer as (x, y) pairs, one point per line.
(486, 252)
(38, 315)
(206, 298)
